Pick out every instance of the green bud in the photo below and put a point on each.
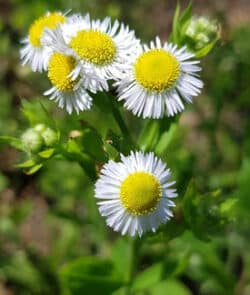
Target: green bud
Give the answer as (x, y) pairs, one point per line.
(201, 31)
(49, 136)
(32, 140)
(40, 128)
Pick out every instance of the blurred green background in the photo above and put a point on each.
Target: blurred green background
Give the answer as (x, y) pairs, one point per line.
(50, 218)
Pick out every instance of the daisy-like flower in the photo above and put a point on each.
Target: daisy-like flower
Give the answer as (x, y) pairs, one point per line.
(70, 91)
(33, 52)
(159, 78)
(135, 194)
(99, 44)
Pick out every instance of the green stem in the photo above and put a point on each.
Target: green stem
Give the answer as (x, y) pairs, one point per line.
(120, 121)
(118, 117)
(107, 102)
(133, 266)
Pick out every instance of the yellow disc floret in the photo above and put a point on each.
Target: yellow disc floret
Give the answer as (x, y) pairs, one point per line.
(59, 69)
(156, 70)
(140, 193)
(94, 46)
(49, 21)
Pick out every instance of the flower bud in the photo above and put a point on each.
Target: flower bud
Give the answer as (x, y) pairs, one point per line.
(200, 32)
(49, 136)
(32, 140)
(40, 128)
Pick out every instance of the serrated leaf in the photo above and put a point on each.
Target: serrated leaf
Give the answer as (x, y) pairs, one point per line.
(90, 275)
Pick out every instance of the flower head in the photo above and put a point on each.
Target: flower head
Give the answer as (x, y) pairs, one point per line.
(100, 45)
(159, 77)
(201, 31)
(33, 52)
(70, 84)
(135, 194)
(32, 140)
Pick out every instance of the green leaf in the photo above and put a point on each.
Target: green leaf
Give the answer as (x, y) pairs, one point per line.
(148, 278)
(203, 212)
(120, 143)
(88, 166)
(150, 134)
(102, 100)
(12, 141)
(121, 291)
(30, 166)
(206, 49)
(111, 151)
(37, 113)
(90, 275)
(165, 140)
(46, 153)
(243, 186)
(122, 257)
(73, 146)
(73, 152)
(93, 145)
(167, 232)
(26, 164)
(171, 286)
(115, 140)
(175, 32)
(228, 206)
(180, 21)
(187, 14)
(34, 169)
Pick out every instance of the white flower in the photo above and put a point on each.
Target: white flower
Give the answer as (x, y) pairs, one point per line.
(33, 52)
(70, 91)
(135, 194)
(98, 44)
(160, 76)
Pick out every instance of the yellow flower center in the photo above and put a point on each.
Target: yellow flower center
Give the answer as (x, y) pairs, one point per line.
(59, 69)
(94, 46)
(48, 21)
(157, 70)
(140, 193)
